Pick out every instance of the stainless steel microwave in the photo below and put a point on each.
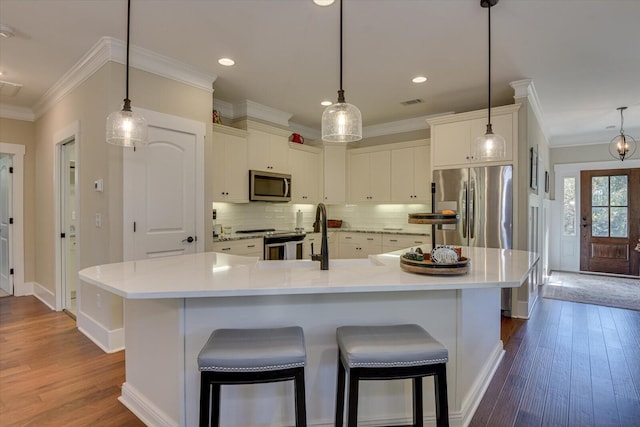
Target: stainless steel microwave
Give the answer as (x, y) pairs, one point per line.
(269, 186)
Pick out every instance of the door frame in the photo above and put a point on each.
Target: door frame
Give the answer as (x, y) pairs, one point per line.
(170, 122)
(71, 132)
(573, 170)
(16, 242)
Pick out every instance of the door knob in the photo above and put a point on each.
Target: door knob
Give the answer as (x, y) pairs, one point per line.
(188, 239)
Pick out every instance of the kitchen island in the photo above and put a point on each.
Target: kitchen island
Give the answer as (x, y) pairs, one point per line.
(173, 304)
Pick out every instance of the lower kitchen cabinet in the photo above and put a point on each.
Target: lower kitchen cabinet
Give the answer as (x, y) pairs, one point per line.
(316, 240)
(395, 242)
(246, 247)
(358, 245)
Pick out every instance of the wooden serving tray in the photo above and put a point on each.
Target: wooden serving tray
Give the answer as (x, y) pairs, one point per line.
(429, 267)
(433, 218)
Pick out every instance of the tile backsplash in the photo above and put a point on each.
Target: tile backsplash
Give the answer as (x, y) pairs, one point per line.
(281, 216)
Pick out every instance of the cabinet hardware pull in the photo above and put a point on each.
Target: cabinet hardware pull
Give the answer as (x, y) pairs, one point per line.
(251, 246)
(226, 249)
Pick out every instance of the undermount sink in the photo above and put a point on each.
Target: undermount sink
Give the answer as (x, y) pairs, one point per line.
(334, 264)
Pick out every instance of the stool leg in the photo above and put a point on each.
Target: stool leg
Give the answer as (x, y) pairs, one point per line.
(442, 404)
(418, 414)
(340, 393)
(215, 405)
(352, 408)
(205, 400)
(301, 407)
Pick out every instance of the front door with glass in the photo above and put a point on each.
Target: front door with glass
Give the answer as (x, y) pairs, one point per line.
(610, 221)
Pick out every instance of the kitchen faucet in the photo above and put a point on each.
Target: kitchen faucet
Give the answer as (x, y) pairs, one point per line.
(321, 223)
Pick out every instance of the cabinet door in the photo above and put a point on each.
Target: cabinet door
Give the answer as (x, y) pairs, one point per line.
(380, 176)
(359, 177)
(501, 124)
(335, 159)
(268, 152)
(450, 144)
(402, 175)
(422, 174)
(305, 176)
(230, 170)
(279, 154)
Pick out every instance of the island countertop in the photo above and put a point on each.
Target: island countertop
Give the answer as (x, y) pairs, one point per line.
(213, 274)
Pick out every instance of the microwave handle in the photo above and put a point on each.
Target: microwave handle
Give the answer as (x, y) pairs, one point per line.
(286, 187)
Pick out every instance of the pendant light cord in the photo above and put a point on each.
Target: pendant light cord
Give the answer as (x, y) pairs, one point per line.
(489, 104)
(341, 91)
(621, 120)
(127, 102)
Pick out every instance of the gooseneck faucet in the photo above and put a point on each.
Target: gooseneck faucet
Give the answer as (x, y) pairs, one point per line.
(321, 225)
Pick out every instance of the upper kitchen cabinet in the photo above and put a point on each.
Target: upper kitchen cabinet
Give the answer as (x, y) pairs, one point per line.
(411, 173)
(268, 147)
(453, 136)
(369, 176)
(335, 172)
(306, 173)
(230, 169)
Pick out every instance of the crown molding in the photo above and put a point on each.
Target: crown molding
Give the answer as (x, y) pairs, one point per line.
(224, 108)
(252, 109)
(525, 89)
(399, 126)
(309, 133)
(16, 113)
(111, 49)
(593, 138)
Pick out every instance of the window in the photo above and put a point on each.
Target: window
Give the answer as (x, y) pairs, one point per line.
(569, 206)
(609, 206)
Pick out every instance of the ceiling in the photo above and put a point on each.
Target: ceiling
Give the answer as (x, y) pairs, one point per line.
(582, 55)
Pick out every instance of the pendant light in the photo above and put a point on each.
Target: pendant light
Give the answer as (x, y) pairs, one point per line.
(341, 122)
(126, 128)
(490, 146)
(622, 146)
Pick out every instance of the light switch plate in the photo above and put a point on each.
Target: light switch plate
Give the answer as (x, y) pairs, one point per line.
(97, 185)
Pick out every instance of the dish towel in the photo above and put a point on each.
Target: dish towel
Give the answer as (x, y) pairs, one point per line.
(291, 250)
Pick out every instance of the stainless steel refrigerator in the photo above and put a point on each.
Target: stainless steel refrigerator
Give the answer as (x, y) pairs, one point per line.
(483, 198)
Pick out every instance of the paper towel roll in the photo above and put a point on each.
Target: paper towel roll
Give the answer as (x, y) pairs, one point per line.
(299, 219)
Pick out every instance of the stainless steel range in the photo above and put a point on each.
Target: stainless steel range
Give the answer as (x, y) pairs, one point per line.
(280, 244)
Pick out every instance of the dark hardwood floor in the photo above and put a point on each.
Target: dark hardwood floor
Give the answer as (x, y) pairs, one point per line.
(570, 365)
(52, 375)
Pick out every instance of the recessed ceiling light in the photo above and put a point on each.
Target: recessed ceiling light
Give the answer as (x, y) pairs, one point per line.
(227, 62)
(419, 79)
(6, 31)
(323, 2)
(326, 103)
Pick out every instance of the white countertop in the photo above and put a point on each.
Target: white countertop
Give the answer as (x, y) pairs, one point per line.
(213, 274)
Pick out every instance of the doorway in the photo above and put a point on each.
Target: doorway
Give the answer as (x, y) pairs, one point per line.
(610, 221)
(68, 228)
(6, 212)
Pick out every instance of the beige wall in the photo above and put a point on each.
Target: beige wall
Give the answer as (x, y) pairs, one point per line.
(23, 133)
(583, 154)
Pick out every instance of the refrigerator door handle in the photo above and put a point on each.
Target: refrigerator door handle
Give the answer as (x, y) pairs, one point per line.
(464, 210)
(472, 209)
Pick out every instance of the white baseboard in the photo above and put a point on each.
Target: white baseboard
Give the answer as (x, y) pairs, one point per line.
(47, 297)
(480, 385)
(110, 341)
(24, 289)
(148, 413)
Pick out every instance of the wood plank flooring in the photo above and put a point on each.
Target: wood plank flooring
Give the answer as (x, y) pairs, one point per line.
(52, 375)
(570, 365)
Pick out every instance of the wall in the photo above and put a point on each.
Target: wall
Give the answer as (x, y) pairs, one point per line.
(23, 133)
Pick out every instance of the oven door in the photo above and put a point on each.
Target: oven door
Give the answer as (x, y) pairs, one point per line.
(278, 251)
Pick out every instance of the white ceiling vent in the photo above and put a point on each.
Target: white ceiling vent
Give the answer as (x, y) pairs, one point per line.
(9, 89)
(412, 102)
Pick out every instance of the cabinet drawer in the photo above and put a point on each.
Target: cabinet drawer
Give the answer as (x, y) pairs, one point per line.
(404, 241)
(360, 238)
(252, 247)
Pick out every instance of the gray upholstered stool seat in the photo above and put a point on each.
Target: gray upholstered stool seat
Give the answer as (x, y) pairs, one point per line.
(390, 352)
(245, 356)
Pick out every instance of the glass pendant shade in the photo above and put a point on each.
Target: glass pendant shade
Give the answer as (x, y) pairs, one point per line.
(341, 122)
(490, 146)
(126, 128)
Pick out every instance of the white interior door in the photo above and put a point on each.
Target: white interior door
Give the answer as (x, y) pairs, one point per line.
(6, 283)
(165, 193)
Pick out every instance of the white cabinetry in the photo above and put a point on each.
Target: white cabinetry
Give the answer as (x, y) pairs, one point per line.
(411, 174)
(230, 170)
(358, 245)
(453, 137)
(246, 247)
(335, 170)
(370, 176)
(316, 240)
(306, 173)
(395, 242)
(268, 147)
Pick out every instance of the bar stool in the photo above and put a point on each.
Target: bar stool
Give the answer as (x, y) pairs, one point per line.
(249, 356)
(387, 353)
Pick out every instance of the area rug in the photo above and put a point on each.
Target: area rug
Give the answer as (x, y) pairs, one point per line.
(594, 289)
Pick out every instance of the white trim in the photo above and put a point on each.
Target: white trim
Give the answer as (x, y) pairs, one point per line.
(17, 113)
(399, 126)
(17, 232)
(27, 289)
(224, 108)
(111, 49)
(469, 115)
(110, 341)
(165, 121)
(69, 133)
(309, 133)
(525, 89)
(146, 411)
(47, 297)
(248, 108)
(593, 138)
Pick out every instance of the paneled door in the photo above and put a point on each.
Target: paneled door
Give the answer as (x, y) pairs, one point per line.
(610, 221)
(6, 283)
